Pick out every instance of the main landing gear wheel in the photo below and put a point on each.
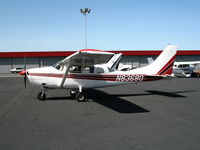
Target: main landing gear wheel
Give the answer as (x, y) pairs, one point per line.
(41, 96)
(72, 93)
(80, 97)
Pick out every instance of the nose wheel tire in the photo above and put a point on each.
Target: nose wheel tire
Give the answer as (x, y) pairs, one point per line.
(41, 96)
(80, 97)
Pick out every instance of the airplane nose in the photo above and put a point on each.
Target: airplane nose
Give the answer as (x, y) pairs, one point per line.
(22, 72)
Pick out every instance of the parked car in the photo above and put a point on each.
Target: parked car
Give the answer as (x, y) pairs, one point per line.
(16, 70)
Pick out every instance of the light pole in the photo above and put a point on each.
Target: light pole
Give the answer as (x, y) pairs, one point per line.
(85, 11)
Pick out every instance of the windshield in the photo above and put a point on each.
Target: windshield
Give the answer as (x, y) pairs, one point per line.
(57, 65)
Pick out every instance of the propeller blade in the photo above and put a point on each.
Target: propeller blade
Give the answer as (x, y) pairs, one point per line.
(25, 78)
(25, 75)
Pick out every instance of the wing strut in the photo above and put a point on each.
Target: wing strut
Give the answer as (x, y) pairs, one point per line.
(65, 74)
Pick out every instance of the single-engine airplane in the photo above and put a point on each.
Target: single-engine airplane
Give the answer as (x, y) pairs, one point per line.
(94, 68)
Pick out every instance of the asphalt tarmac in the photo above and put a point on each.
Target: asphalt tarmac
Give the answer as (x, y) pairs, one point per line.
(147, 116)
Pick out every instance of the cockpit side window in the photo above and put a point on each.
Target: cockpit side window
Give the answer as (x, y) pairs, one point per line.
(81, 69)
(75, 69)
(88, 69)
(99, 70)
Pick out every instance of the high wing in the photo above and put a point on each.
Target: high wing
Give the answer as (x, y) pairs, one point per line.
(85, 57)
(88, 57)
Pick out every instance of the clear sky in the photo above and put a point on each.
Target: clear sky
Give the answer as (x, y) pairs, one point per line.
(28, 25)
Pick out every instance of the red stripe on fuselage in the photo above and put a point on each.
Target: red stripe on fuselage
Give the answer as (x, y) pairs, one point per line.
(98, 77)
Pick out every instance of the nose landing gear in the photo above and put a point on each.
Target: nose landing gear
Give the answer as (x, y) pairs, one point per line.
(41, 96)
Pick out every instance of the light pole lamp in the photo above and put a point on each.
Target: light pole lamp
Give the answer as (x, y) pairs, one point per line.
(85, 12)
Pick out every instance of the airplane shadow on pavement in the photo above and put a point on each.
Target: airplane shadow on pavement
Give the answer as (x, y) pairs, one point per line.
(172, 94)
(156, 92)
(114, 102)
(120, 105)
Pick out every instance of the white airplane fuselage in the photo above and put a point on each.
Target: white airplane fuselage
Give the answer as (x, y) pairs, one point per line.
(51, 78)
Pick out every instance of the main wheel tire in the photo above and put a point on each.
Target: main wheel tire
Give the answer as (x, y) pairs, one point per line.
(72, 93)
(80, 97)
(41, 96)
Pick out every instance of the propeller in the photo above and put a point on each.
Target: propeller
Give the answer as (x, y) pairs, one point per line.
(24, 73)
(25, 78)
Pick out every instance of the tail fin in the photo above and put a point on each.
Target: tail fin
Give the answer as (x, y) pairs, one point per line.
(163, 65)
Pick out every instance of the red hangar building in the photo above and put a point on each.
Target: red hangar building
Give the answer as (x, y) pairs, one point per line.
(137, 58)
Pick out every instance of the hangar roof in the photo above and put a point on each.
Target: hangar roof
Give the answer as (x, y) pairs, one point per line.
(67, 53)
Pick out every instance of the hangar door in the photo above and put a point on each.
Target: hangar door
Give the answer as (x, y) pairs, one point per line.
(5, 65)
(31, 62)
